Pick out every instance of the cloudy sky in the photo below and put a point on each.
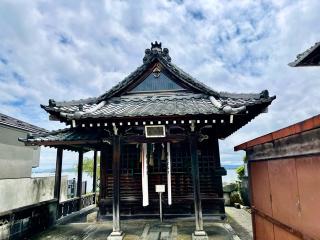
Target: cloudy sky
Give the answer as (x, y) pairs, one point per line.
(76, 49)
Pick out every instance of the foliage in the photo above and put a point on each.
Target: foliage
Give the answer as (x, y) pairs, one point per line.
(240, 171)
(235, 198)
(230, 187)
(244, 191)
(88, 166)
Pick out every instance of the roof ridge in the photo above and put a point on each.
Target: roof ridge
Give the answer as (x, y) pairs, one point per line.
(19, 124)
(49, 132)
(192, 80)
(82, 101)
(262, 94)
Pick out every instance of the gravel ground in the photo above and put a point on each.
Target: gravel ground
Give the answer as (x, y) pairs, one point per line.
(240, 220)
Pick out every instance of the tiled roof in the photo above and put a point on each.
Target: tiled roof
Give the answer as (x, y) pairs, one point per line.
(115, 102)
(310, 57)
(15, 123)
(72, 139)
(66, 135)
(160, 105)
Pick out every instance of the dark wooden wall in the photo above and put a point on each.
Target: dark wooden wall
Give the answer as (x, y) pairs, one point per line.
(182, 191)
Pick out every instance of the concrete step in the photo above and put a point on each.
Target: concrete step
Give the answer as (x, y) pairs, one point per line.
(160, 231)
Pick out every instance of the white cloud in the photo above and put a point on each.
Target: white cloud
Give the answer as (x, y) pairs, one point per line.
(77, 49)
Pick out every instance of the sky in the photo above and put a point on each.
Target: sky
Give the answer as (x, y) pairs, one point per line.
(68, 50)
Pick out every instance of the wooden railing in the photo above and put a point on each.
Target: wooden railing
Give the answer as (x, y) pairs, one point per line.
(87, 200)
(75, 204)
(20, 222)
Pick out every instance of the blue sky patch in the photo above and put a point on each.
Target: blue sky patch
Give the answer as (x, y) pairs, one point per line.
(3, 61)
(198, 15)
(65, 40)
(18, 77)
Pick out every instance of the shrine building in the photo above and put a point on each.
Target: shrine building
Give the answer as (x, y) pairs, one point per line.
(159, 126)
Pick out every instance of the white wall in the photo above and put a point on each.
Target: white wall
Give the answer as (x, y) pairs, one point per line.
(15, 193)
(16, 160)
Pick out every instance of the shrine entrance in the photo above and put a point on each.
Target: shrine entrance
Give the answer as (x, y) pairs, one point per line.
(131, 166)
(142, 167)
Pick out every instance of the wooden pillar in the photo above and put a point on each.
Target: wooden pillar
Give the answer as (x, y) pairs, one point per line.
(94, 184)
(57, 183)
(116, 233)
(103, 173)
(199, 233)
(216, 152)
(79, 183)
(217, 164)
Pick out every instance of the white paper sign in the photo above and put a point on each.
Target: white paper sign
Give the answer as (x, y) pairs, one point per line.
(160, 188)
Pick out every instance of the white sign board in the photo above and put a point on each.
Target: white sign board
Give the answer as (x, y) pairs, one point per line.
(155, 131)
(160, 188)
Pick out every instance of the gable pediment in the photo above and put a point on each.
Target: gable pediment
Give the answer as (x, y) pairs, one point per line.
(157, 74)
(157, 82)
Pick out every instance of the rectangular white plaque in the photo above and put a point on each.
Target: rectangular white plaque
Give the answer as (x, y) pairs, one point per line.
(160, 188)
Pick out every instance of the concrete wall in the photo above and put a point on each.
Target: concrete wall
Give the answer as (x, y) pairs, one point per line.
(16, 160)
(22, 192)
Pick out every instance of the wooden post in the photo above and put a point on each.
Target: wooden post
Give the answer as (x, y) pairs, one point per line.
(199, 233)
(103, 173)
(57, 183)
(79, 184)
(116, 233)
(217, 163)
(94, 185)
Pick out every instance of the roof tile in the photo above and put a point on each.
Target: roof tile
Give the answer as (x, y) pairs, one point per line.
(16, 123)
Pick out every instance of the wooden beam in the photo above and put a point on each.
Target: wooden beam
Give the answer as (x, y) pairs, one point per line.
(142, 139)
(57, 184)
(294, 231)
(79, 183)
(54, 143)
(94, 185)
(193, 144)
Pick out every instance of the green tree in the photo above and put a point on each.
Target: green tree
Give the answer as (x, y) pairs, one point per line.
(88, 166)
(240, 170)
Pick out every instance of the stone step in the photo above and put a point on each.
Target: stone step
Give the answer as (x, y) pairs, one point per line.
(153, 236)
(159, 232)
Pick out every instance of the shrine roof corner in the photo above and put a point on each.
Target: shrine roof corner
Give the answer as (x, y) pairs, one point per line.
(310, 57)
